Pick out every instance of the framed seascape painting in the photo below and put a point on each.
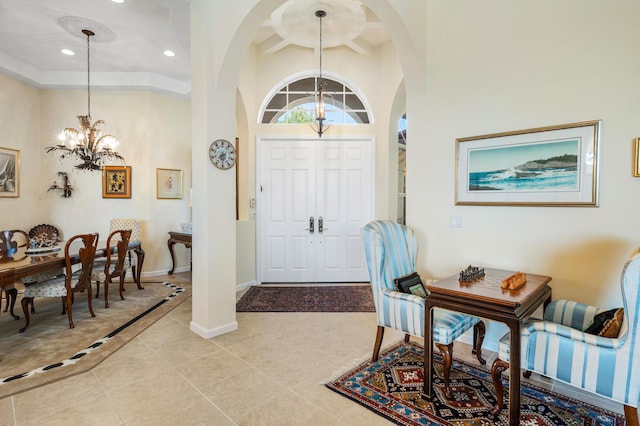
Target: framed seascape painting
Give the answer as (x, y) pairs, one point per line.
(9, 172)
(116, 182)
(546, 166)
(168, 184)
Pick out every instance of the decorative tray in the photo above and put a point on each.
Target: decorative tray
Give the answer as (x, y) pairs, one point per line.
(42, 249)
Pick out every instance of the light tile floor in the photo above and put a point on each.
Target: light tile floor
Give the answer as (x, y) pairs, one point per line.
(268, 372)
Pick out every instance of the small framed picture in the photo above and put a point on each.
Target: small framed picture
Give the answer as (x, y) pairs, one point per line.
(168, 184)
(636, 157)
(116, 182)
(9, 172)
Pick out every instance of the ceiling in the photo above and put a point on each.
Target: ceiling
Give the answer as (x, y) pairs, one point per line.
(127, 50)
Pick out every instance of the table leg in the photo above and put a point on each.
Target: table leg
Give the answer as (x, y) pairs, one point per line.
(514, 373)
(171, 243)
(139, 251)
(428, 352)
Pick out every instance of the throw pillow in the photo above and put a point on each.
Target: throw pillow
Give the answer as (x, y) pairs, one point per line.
(607, 324)
(411, 284)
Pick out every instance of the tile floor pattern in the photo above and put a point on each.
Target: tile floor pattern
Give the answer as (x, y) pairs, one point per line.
(268, 372)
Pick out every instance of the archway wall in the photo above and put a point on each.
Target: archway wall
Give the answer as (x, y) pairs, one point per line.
(221, 37)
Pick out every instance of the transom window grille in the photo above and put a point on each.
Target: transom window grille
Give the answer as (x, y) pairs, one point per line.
(295, 103)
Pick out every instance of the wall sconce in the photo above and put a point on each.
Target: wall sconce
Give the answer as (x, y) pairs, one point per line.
(65, 188)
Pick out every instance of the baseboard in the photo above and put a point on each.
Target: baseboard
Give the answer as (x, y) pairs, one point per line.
(244, 286)
(213, 332)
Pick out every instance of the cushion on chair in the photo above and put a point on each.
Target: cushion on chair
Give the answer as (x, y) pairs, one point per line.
(607, 324)
(411, 284)
(449, 325)
(51, 288)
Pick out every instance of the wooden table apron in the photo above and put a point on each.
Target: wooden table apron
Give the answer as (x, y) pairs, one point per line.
(13, 270)
(509, 309)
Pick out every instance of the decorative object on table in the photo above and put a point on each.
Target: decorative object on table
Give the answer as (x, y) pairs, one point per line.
(11, 241)
(168, 184)
(391, 250)
(9, 172)
(66, 188)
(607, 366)
(515, 281)
(321, 124)
(43, 237)
(471, 273)
(73, 281)
(186, 227)
(392, 388)
(116, 182)
(636, 155)
(222, 154)
(88, 145)
(546, 166)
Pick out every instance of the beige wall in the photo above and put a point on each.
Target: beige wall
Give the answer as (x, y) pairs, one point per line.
(472, 68)
(154, 131)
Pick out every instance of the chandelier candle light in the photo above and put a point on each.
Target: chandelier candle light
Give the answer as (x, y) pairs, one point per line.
(88, 145)
(321, 126)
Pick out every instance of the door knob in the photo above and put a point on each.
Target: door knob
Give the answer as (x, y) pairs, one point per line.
(321, 227)
(311, 227)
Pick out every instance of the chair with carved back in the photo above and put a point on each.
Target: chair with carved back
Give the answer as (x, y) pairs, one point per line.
(391, 250)
(10, 243)
(77, 278)
(562, 346)
(132, 260)
(114, 265)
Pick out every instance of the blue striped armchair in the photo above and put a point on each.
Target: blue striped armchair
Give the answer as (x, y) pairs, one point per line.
(391, 250)
(557, 347)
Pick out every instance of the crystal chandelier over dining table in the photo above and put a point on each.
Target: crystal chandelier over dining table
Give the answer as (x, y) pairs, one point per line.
(88, 145)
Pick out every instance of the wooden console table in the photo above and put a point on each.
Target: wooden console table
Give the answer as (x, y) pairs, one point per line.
(177, 238)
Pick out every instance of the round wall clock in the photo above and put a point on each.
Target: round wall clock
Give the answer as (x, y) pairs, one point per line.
(222, 154)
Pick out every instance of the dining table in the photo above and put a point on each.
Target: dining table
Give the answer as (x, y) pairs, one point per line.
(28, 261)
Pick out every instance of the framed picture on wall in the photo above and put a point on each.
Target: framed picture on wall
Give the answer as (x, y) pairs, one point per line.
(9, 172)
(546, 166)
(169, 184)
(636, 157)
(116, 182)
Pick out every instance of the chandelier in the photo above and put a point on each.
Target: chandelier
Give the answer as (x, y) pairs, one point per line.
(87, 145)
(321, 125)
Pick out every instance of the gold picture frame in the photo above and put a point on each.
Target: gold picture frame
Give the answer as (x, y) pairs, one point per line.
(168, 184)
(636, 157)
(116, 182)
(9, 172)
(545, 166)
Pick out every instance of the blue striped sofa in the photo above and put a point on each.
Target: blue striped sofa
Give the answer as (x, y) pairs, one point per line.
(557, 347)
(391, 250)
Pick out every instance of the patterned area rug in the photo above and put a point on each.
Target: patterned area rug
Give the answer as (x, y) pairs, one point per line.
(307, 298)
(392, 387)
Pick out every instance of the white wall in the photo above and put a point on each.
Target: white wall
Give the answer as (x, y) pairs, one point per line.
(154, 131)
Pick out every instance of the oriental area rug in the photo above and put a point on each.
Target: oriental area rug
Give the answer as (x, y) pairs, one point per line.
(307, 298)
(49, 350)
(391, 387)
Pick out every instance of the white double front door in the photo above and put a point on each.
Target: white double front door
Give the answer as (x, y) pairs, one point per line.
(315, 196)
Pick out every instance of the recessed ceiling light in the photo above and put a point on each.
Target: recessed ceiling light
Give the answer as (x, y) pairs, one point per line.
(68, 52)
(118, 1)
(169, 53)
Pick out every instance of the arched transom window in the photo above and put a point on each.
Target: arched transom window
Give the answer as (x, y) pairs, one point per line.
(295, 103)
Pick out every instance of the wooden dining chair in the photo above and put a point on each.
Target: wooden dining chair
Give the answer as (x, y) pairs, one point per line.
(131, 260)
(114, 264)
(77, 278)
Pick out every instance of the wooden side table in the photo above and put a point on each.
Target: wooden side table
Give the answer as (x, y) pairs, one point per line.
(486, 299)
(177, 238)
